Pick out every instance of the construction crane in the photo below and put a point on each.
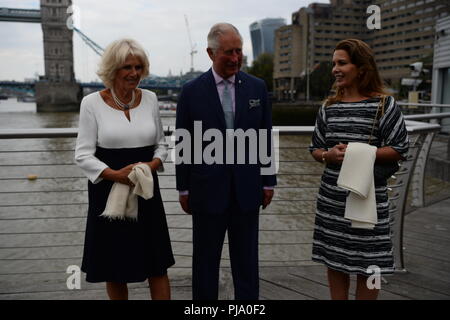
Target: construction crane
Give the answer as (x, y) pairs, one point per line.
(193, 51)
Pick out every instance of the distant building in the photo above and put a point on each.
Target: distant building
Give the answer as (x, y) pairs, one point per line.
(288, 62)
(262, 35)
(441, 68)
(407, 34)
(310, 40)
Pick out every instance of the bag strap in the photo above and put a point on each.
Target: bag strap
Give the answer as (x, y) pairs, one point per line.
(380, 106)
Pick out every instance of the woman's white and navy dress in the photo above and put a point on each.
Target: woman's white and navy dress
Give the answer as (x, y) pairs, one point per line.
(335, 243)
(122, 250)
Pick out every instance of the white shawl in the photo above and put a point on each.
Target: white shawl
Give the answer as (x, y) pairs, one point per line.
(357, 176)
(122, 200)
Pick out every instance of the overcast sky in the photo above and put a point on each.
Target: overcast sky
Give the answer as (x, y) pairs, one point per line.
(158, 25)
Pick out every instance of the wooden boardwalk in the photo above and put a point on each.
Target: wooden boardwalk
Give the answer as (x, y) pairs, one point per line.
(427, 260)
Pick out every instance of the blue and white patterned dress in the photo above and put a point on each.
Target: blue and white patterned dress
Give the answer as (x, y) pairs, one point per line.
(335, 243)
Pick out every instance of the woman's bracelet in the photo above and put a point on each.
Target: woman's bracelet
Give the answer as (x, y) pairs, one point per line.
(323, 157)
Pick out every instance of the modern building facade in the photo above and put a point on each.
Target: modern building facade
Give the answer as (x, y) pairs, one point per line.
(262, 35)
(406, 36)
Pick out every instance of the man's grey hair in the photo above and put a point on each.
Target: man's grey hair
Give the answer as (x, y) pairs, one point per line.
(218, 30)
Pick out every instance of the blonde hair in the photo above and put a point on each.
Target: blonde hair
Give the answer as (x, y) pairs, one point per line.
(115, 55)
(370, 83)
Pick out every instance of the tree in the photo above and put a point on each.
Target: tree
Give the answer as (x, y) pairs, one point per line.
(320, 81)
(262, 68)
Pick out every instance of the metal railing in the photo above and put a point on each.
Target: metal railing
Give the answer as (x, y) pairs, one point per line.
(286, 226)
(427, 111)
(425, 105)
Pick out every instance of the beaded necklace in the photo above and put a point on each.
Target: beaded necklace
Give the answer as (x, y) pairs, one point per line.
(120, 104)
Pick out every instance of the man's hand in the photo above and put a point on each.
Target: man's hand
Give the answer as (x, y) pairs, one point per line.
(184, 201)
(268, 194)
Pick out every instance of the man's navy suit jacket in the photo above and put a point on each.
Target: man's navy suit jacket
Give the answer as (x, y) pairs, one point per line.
(210, 185)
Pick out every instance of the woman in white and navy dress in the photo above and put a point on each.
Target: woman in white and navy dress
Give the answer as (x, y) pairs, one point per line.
(120, 127)
(350, 116)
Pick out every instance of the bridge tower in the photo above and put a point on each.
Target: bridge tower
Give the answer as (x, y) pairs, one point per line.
(58, 90)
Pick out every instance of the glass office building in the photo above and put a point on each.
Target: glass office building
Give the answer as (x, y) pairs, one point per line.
(262, 35)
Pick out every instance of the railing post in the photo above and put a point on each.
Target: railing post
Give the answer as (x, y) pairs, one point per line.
(448, 148)
(418, 179)
(397, 200)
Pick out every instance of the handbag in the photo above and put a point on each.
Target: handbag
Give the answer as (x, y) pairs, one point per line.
(382, 171)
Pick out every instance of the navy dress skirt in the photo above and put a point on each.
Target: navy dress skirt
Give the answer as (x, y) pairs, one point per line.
(125, 250)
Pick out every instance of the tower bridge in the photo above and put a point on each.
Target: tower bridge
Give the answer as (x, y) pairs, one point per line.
(90, 85)
(20, 15)
(57, 90)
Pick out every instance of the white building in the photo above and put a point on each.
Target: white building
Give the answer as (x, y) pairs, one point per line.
(441, 68)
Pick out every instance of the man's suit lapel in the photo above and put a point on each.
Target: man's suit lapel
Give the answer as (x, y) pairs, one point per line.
(213, 97)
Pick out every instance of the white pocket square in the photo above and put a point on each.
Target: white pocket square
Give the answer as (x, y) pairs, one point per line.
(254, 103)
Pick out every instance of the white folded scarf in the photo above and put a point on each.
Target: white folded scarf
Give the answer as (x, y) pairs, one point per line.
(357, 176)
(122, 200)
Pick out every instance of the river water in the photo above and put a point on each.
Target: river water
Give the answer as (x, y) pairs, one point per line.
(23, 115)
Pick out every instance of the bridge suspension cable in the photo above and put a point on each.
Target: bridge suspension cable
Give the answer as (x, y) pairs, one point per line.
(91, 43)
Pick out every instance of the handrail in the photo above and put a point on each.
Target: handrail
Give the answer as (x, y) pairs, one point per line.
(39, 133)
(427, 116)
(431, 105)
(417, 126)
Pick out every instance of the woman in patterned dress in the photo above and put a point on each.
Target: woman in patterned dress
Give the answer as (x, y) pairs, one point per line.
(120, 127)
(348, 116)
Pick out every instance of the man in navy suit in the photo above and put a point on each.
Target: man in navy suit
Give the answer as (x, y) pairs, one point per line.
(224, 196)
